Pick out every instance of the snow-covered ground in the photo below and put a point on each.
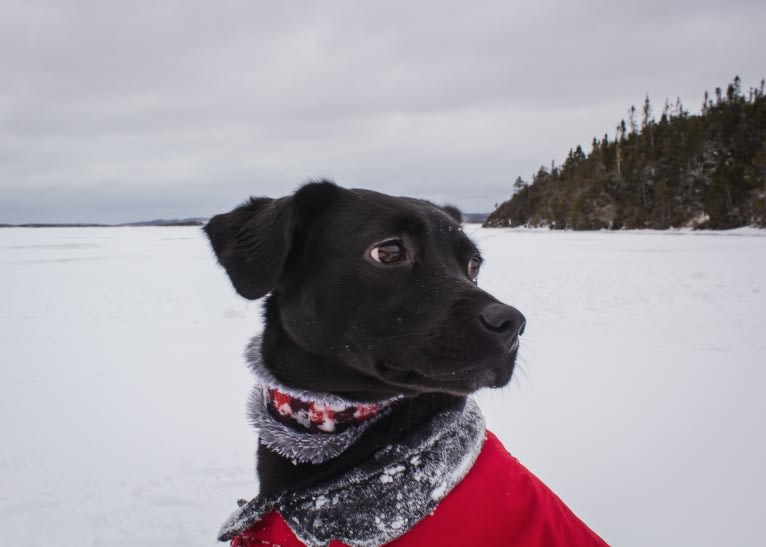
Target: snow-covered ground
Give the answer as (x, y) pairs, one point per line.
(641, 398)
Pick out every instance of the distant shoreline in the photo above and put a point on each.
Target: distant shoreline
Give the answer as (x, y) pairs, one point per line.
(476, 218)
(186, 222)
(742, 230)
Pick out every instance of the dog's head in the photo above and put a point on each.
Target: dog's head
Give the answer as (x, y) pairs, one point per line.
(371, 295)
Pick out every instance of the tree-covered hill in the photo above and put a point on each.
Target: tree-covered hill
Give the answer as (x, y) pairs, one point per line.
(705, 171)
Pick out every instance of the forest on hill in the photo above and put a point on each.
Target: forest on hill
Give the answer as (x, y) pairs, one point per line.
(706, 170)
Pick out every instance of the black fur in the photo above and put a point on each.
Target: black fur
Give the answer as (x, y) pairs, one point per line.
(338, 321)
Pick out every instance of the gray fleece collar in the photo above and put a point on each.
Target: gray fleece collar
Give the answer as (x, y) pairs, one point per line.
(300, 446)
(385, 496)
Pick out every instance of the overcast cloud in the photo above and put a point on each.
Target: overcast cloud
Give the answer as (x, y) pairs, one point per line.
(120, 111)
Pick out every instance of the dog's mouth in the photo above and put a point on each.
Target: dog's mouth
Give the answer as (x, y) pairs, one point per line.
(454, 378)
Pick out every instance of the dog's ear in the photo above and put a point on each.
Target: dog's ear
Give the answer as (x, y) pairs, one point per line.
(253, 241)
(454, 212)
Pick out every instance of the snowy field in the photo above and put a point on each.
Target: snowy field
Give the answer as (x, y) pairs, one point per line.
(641, 399)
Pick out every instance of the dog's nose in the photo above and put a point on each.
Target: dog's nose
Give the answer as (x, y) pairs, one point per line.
(503, 319)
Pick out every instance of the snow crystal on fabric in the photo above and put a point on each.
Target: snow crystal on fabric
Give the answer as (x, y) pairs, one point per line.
(385, 496)
(301, 446)
(296, 445)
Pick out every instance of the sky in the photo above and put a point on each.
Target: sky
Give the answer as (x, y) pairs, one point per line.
(123, 111)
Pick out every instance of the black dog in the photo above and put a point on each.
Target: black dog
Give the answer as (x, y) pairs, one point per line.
(375, 319)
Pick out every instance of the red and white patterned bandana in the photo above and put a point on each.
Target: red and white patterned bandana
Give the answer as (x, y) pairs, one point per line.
(317, 416)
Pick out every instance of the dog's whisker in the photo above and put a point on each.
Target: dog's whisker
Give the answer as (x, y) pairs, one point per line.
(474, 231)
(520, 368)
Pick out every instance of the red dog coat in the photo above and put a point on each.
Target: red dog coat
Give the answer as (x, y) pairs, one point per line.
(498, 503)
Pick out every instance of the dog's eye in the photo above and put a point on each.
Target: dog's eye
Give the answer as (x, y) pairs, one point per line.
(388, 252)
(473, 268)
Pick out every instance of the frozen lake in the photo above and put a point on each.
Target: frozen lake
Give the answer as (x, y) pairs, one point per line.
(641, 398)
